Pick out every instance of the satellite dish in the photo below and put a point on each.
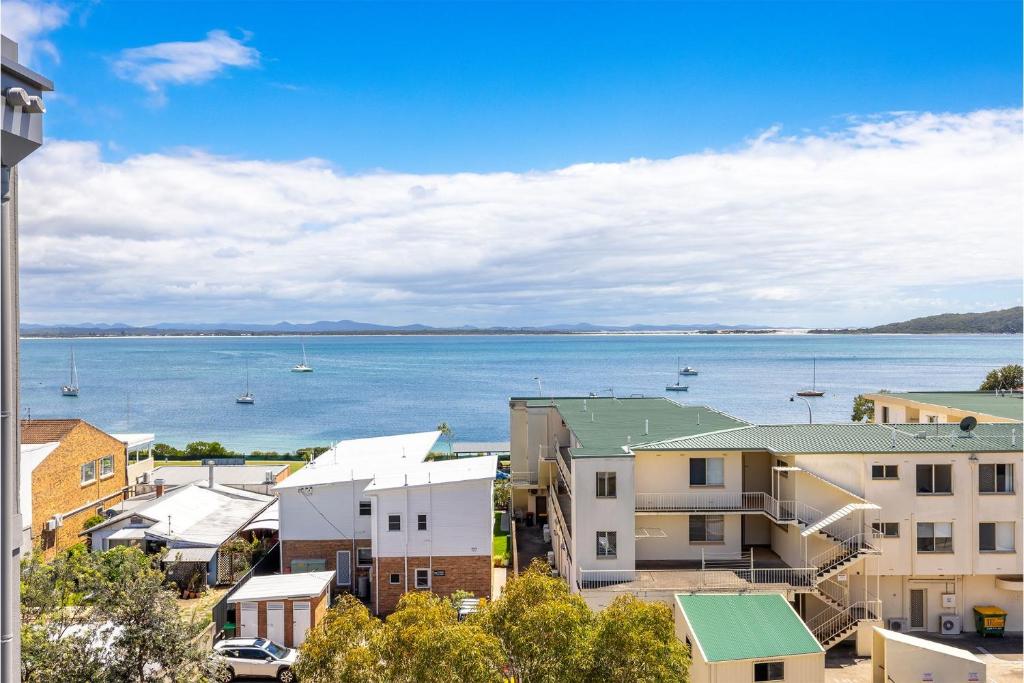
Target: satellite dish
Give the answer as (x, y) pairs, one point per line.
(968, 424)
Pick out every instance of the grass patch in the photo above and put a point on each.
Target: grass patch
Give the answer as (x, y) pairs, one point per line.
(499, 545)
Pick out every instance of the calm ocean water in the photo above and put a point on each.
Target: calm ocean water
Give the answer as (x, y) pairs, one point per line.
(184, 389)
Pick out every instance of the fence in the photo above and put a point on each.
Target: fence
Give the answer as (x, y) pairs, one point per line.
(268, 564)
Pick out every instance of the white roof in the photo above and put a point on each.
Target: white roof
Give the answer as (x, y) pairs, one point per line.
(941, 648)
(283, 586)
(128, 533)
(229, 475)
(134, 441)
(358, 459)
(197, 515)
(204, 554)
(268, 519)
(31, 455)
(438, 472)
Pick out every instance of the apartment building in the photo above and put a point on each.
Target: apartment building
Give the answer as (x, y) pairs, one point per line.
(857, 524)
(946, 406)
(70, 471)
(386, 520)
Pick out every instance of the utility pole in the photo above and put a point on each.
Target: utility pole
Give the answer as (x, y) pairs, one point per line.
(22, 134)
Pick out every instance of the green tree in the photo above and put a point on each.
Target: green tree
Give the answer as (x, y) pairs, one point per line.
(341, 648)
(1006, 378)
(502, 493)
(424, 642)
(543, 628)
(863, 409)
(636, 641)
(448, 434)
(163, 451)
(207, 449)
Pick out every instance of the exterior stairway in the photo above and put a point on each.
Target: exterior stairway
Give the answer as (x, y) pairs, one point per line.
(834, 626)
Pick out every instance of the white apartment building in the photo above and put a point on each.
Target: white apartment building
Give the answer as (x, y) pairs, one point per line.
(857, 524)
(946, 406)
(387, 521)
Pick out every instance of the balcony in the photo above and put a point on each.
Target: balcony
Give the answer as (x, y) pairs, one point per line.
(561, 505)
(524, 480)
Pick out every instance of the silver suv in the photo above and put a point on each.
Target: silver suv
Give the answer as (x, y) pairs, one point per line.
(256, 658)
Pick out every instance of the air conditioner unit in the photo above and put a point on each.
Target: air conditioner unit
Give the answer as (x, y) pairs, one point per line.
(551, 557)
(54, 523)
(899, 624)
(949, 624)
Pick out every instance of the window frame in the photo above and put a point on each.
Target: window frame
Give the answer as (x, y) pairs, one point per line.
(359, 562)
(934, 549)
(880, 529)
(416, 578)
(782, 463)
(885, 415)
(605, 481)
(421, 521)
(1007, 479)
(933, 492)
(885, 472)
(82, 481)
(365, 508)
(707, 484)
(611, 539)
(308, 560)
(394, 579)
(768, 671)
(706, 525)
(392, 516)
(103, 462)
(995, 538)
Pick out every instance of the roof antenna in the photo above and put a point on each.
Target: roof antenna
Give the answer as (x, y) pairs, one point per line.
(647, 426)
(698, 417)
(1013, 437)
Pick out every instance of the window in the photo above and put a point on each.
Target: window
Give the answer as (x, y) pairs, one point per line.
(932, 419)
(934, 479)
(769, 671)
(995, 478)
(995, 537)
(364, 508)
(421, 522)
(885, 471)
(934, 537)
(364, 557)
(394, 522)
(605, 484)
(707, 528)
(422, 579)
(89, 472)
(782, 463)
(302, 566)
(606, 544)
(707, 471)
(885, 414)
(394, 579)
(886, 529)
(106, 465)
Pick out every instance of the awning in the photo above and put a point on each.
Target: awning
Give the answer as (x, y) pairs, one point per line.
(128, 534)
(202, 555)
(268, 519)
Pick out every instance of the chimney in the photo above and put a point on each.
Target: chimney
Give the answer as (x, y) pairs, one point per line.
(209, 471)
(159, 484)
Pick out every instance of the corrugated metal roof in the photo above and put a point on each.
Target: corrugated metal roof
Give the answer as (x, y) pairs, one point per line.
(203, 555)
(438, 472)
(283, 586)
(604, 425)
(228, 475)
(357, 459)
(852, 438)
(748, 626)
(1007, 405)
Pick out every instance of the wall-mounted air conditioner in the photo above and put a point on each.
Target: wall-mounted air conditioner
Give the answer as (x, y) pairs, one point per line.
(899, 624)
(54, 523)
(949, 624)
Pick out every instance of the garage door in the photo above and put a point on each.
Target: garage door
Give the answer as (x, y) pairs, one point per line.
(250, 620)
(300, 622)
(275, 622)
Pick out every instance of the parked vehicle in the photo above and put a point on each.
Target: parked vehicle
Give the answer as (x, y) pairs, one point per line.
(256, 658)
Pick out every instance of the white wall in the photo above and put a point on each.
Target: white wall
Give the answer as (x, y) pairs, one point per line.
(676, 545)
(459, 520)
(591, 514)
(326, 512)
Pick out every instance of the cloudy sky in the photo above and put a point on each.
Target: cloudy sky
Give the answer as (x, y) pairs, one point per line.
(827, 164)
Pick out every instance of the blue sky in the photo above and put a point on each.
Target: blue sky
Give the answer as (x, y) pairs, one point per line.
(429, 94)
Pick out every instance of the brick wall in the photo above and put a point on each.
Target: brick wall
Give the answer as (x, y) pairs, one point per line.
(469, 573)
(57, 487)
(327, 551)
(316, 614)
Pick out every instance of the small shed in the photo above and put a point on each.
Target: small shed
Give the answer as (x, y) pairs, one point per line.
(901, 658)
(281, 607)
(742, 638)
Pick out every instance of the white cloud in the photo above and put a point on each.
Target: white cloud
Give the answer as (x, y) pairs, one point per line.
(849, 227)
(154, 67)
(28, 23)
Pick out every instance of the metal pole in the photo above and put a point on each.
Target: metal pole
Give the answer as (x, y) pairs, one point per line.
(10, 514)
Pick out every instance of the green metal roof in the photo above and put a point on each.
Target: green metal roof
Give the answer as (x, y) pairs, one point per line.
(852, 438)
(1008, 406)
(604, 425)
(746, 626)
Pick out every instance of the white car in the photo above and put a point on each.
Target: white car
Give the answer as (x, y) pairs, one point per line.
(257, 658)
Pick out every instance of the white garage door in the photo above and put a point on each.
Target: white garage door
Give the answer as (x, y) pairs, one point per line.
(300, 622)
(249, 620)
(275, 622)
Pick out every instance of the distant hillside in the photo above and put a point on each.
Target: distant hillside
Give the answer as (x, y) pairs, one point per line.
(1006, 321)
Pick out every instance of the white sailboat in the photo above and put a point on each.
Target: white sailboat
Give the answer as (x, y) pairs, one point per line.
(813, 391)
(303, 366)
(71, 388)
(677, 386)
(247, 398)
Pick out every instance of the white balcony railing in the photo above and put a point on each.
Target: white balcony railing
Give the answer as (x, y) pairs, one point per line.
(830, 624)
(629, 580)
(525, 479)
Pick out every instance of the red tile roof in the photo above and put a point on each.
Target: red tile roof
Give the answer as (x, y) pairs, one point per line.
(45, 431)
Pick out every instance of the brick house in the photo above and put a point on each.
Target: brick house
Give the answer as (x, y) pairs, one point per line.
(386, 520)
(70, 470)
